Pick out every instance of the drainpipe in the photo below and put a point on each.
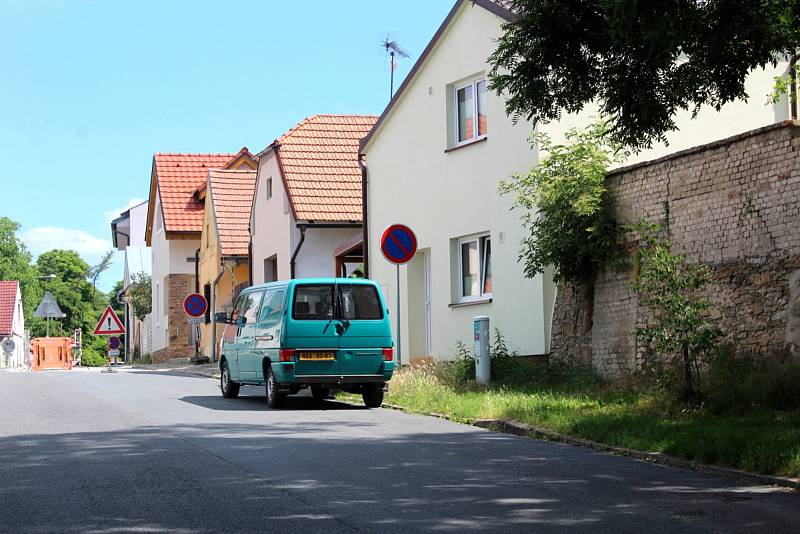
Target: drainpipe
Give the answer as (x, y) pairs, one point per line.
(793, 85)
(197, 271)
(213, 304)
(302, 228)
(364, 228)
(250, 257)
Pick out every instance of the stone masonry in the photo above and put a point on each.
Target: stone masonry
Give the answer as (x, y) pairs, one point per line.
(733, 205)
(178, 335)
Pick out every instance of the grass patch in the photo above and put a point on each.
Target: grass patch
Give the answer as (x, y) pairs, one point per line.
(754, 436)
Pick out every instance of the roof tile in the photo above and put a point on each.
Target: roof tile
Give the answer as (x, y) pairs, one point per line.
(320, 165)
(232, 198)
(8, 297)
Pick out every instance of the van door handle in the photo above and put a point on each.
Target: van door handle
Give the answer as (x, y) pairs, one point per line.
(268, 337)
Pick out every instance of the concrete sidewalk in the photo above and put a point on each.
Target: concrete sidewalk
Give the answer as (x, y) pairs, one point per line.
(182, 365)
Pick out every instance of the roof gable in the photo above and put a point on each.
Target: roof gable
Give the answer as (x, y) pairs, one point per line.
(501, 8)
(176, 178)
(9, 290)
(318, 159)
(231, 194)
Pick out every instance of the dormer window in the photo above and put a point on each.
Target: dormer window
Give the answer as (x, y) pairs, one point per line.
(470, 113)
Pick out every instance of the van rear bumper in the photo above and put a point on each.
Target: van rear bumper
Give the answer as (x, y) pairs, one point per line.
(334, 379)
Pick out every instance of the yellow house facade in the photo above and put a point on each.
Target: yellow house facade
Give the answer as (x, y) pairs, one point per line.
(223, 267)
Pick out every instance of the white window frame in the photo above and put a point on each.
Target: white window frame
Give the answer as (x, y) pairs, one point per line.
(456, 88)
(479, 238)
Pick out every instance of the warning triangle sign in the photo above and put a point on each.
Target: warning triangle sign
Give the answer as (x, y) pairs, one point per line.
(109, 324)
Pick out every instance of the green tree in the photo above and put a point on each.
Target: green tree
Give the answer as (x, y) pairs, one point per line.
(641, 61)
(670, 289)
(15, 264)
(140, 293)
(564, 197)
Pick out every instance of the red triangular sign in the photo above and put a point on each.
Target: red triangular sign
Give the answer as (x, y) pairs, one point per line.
(109, 324)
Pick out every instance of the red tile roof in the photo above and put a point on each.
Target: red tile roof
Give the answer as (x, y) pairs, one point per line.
(8, 298)
(319, 159)
(232, 197)
(179, 176)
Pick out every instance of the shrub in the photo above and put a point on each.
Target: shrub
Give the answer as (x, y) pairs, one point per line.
(738, 385)
(91, 358)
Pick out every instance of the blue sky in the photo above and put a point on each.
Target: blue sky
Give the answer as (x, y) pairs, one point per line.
(90, 89)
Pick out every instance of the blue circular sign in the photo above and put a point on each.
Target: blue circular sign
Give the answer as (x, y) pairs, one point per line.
(113, 342)
(398, 244)
(195, 305)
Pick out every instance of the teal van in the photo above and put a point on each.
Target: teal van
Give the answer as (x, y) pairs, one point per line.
(325, 334)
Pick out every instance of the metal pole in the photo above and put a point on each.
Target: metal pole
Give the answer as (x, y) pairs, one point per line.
(399, 342)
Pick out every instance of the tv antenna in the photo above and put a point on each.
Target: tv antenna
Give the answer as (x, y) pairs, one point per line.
(392, 48)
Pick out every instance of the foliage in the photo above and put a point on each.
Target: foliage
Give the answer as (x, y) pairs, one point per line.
(15, 264)
(571, 226)
(140, 293)
(740, 385)
(94, 272)
(668, 287)
(641, 61)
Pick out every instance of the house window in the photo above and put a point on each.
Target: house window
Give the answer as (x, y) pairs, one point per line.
(271, 269)
(470, 116)
(269, 188)
(207, 295)
(158, 304)
(475, 268)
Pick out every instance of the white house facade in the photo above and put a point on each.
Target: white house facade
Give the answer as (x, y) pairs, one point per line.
(307, 199)
(433, 161)
(12, 324)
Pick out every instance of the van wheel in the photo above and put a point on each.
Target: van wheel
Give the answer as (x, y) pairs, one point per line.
(373, 395)
(230, 389)
(320, 393)
(274, 399)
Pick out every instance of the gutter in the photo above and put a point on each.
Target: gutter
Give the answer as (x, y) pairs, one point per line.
(302, 228)
(364, 213)
(197, 271)
(213, 304)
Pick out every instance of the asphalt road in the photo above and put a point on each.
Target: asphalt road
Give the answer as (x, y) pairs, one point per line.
(141, 451)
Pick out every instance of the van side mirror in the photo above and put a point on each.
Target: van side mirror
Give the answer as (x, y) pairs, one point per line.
(222, 317)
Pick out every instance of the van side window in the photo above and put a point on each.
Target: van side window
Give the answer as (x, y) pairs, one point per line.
(272, 307)
(359, 301)
(251, 308)
(237, 309)
(313, 302)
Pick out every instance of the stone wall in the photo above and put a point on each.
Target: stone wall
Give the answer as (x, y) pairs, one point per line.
(178, 335)
(734, 205)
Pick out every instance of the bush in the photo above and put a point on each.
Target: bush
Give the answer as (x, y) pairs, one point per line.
(91, 358)
(738, 385)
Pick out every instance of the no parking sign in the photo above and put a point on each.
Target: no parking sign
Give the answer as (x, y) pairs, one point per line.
(398, 245)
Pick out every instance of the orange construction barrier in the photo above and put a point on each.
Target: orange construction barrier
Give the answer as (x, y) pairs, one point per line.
(51, 353)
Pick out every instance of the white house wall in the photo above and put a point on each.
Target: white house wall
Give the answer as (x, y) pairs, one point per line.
(444, 196)
(270, 221)
(315, 259)
(168, 257)
(709, 125)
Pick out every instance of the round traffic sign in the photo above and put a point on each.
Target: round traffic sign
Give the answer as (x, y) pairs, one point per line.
(9, 345)
(113, 342)
(195, 305)
(398, 244)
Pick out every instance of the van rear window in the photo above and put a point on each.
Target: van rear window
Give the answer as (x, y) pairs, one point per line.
(313, 302)
(359, 301)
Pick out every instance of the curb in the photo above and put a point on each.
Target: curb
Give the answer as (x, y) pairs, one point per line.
(525, 430)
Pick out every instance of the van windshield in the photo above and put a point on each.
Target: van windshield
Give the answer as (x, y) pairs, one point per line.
(355, 302)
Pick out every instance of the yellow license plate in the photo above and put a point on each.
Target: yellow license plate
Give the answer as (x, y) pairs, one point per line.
(317, 356)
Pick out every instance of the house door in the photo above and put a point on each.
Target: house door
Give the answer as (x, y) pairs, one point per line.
(428, 311)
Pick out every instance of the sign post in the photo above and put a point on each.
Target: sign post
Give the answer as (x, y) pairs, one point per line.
(109, 325)
(398, 245)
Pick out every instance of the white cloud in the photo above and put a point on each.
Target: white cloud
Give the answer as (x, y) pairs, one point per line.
(44, 238)
(110, 215)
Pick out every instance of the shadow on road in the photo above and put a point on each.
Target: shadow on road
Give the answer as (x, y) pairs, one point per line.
(258, 403)
(359, 474)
